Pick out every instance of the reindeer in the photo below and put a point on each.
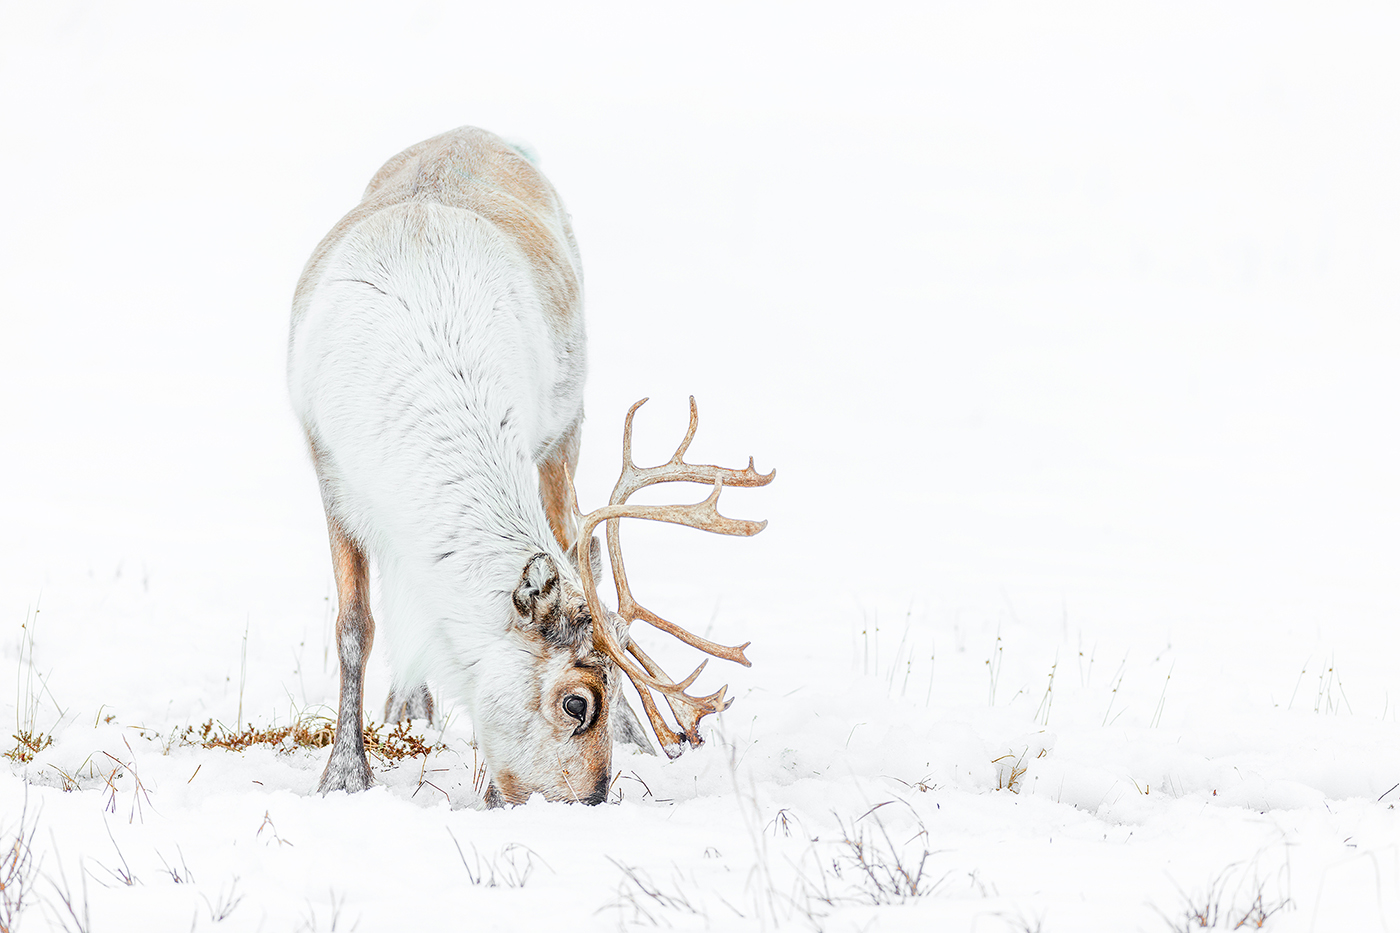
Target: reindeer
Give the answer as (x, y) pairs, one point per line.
(437, 363)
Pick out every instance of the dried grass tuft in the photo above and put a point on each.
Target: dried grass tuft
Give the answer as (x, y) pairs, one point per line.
(313, 732)
(509, 868)
(18, 868)
(29, 744)
(1230, 901)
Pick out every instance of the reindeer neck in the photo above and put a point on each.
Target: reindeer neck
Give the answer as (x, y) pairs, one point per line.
(483, 518)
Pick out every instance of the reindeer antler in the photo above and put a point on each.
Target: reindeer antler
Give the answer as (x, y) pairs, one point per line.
(687, 709)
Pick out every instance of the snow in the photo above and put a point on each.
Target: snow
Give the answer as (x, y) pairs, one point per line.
(1070, 330)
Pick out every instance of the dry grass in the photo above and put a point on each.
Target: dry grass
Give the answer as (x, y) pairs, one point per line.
(68, 909)
(29, 744)
(642, 901)
(334, 916)
(861, 866)
(509, 868)
(29, 687)
(883, 872)
(226, 903)
(139, 790)
(1227, 902)
(18, 869)
(1012, 766)
(381, 740)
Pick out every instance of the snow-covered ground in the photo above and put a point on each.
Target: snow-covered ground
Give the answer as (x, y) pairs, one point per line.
(1071, 329)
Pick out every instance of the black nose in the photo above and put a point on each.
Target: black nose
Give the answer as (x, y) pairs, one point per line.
(599, 794)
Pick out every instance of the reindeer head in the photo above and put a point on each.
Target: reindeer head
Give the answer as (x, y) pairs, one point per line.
(544, 698)
(567, 649)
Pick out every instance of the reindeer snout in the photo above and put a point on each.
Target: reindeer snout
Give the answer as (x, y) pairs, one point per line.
(599, 793)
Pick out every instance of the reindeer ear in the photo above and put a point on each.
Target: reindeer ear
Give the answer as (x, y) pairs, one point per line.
(595, 557)
(536, 596)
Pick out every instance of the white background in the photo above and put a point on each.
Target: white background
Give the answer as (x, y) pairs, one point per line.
(1071, 323)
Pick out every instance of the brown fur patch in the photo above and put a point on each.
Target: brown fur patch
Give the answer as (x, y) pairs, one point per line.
(593, 679)
(504, 789)
(556, 481)
(351, 574)
(597, 757)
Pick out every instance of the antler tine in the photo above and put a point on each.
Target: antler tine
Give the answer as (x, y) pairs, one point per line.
(669, 738)
(687, 709)
(733, 653)
(689, 434)
(627, 464)
(703, 515)
(676, 470)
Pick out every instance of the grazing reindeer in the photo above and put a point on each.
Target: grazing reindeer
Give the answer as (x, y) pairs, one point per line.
(437, 363)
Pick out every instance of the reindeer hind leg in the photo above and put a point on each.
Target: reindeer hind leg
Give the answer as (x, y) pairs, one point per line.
(403, 705)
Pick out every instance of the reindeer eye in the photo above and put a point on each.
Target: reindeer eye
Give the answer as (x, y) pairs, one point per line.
(576, 706)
